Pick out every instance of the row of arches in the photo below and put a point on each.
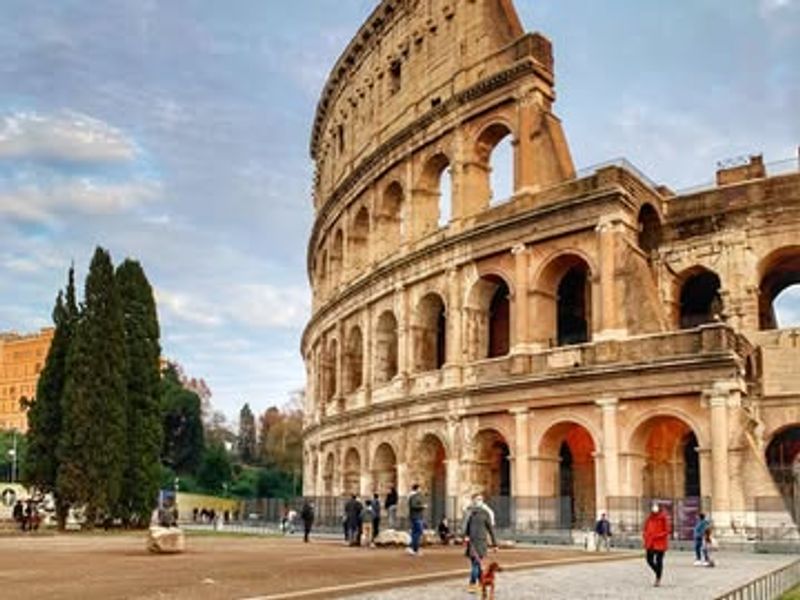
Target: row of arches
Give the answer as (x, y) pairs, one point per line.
(665, 448)
(373, 231)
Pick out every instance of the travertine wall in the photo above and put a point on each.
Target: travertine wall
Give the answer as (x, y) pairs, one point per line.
(470, 353)
(21, 359)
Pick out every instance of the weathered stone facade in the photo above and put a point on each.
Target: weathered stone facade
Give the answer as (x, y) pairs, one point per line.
(593, 337)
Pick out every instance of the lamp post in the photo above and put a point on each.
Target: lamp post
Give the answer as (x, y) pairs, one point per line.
(13, 455)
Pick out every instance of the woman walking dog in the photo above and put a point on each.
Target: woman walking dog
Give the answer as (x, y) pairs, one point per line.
(477, 532)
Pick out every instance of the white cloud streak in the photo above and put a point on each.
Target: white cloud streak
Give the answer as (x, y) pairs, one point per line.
(66, 136)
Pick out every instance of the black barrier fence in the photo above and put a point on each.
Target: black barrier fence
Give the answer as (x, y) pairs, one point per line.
(766, 519)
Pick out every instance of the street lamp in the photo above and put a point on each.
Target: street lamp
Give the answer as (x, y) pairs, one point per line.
(12, 454)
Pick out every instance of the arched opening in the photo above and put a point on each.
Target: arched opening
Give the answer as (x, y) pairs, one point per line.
(386, 348)
(670, 467)
(384, 469)
(430, 334)
(783, 460)
(327, 476)
(354, 361)
(779, 289)
(574, 293)
(433, 196)
(495, 152)
(492, 475)
(337, 255)
(432, 476)
(568, 473)
(329, 372)
(321, 272)
(352, 473)
(389, 218)
(649, 229)
(359, 239)
(700, 299)
(489, 318)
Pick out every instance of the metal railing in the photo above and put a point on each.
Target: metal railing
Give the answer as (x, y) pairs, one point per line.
(767, 587)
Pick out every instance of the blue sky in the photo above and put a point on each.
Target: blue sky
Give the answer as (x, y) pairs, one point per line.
(176, 132)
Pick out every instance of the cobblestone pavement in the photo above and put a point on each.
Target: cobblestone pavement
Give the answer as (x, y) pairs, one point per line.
(620, 580)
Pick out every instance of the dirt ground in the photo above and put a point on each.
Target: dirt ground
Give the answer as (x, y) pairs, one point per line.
(89, 566)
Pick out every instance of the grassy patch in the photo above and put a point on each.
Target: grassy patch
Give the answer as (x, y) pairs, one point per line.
(793, 594)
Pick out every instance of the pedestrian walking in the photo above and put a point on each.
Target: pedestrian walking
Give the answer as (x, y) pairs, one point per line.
(708, 544)
(353, 510)
(699, 536)
(367, 517)
(19, 514)
(307, 516)
(376, 515)
(656, 540)
(416, 510)
(477, 534)
(391, 507)
(602, 530)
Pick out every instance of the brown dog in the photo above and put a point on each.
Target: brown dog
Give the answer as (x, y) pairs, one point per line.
(487, 581)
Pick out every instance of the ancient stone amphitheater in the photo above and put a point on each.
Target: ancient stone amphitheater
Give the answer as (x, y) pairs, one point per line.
(582, 342)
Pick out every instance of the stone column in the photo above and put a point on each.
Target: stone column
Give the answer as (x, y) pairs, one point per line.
(368, 341)
(606, 322)
(403, 314)
(720, 482)
(520, 330)
(454, 349)
(521, 484)
(609, 408)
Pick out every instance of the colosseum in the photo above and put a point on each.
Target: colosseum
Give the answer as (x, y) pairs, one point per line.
(583, 343)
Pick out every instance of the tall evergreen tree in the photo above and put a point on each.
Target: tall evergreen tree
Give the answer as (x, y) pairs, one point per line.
(182, 420)
(44, 417)
(246, 441)
(143, 408)
(92, 449)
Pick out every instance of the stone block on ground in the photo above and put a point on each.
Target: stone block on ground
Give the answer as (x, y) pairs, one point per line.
(166, 540)
(392, 538)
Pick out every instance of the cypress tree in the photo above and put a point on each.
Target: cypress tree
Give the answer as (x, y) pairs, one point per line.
(143, 402)
(92, 449)
(44, 417)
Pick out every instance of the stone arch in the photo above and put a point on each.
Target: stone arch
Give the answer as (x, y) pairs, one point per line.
(389, 218)
(666, 448)
(567, 471)
(433, 196)
(699, 297)
(783, 461)
(351, 472)
(489, 317)
(429, 333)
(384, 468)
(337, 257)
(650, 230)
(353, 376)
(359, 239)
(431, 474)
(778, 272)
(386, 348)
(492, 475)
(563, 301)
(495, 151)
(328, 474)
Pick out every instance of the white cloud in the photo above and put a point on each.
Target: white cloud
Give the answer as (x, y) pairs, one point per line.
(187, 308)
(38, 202)
(67, 136)
(766, 7)
(265, 305)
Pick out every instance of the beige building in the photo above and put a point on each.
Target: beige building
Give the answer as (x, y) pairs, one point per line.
(22, 358)
(588, 343)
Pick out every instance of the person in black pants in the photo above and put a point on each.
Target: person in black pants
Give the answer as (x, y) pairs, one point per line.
(307, 515)
(376, 518)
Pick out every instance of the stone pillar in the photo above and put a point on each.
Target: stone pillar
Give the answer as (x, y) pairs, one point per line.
(403, 314)
(606, 321)
(521, 483)
(339, 366)
(720, 482)
(609, 408)
(454, 359)
(520, 330)
(368, 341)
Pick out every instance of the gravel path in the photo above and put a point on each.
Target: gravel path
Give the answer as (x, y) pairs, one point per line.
(620, 580)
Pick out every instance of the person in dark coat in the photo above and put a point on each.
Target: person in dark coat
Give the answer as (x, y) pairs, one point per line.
(353, 510)
(477, 534)
(376, 515)
(307, 516)
(19, 514)
(416, 512)
(602, 530)
(391, 507)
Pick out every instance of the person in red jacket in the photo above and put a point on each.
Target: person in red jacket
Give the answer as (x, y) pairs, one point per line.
(656, 540)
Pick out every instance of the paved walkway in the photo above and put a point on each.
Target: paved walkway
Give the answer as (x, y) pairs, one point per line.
(620, 580)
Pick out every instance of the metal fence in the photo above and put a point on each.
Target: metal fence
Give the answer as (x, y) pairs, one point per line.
(769, 587)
